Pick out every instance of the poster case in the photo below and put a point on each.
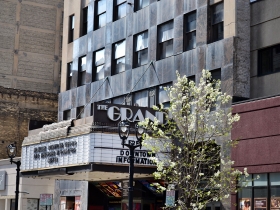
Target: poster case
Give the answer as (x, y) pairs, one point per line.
(275, 203)
(260, 204)
(245, 204)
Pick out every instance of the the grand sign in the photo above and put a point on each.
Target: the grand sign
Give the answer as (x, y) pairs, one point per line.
(112, 113)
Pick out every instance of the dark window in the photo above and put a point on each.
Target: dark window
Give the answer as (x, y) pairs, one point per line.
(217, 22)
(98, 66)
(120, 9)
(13, 204)
(269, 60)
(191, 78)
(163, 97)
(141, 49)
(140, 4)
(165, 40)
(80, 112)
(61, 42)
(216, 74)
(100, 11)
(190, 31)
(67, 115)
(71, 28)
(82, 71)
(35, 124)
(84, 21)
(119, 57)
(69, 75)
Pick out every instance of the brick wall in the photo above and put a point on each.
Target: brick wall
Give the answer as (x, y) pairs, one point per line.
(17, 107)
(30, 44)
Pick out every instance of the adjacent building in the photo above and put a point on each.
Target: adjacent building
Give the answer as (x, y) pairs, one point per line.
(30, 63)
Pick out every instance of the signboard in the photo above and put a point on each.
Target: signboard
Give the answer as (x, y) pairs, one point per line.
(46, 199)
(114, 113)
(170, 198)
(82, 150)
(2, 180)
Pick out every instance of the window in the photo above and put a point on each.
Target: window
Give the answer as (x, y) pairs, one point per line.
(69, 76)
(140, 4)
(80, 112)
(119, 57)
(190, 31)
(262, 193)
(217, 22)
(13, 204)
(141, 98)
(120, 9)
(61, 42)
(71, 28)
(82, 71)
(165, 40)
(163, 97)
(35, 124)
(141, 49)
(216, 74)
(100, 11)
(269, 60)
(84, 21)
(124, 100)
(67, 115)
(98, 68)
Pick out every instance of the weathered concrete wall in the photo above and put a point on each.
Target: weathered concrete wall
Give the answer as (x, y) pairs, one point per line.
(17, 108)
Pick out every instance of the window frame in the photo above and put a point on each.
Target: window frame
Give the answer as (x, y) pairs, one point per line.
(82, 72)
(271, 57)
(114, 59)
(117, 5)
(71, 28)
(189, 32)
(163, 44)
(136, 52)
(98, 14)
(95, 67)
(214, 26)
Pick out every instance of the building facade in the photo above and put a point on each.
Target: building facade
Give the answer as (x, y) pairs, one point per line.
(30, 189)
(30, 63)
(257, 130)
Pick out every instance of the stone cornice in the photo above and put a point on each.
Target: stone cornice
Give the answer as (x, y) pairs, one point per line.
(28, 93)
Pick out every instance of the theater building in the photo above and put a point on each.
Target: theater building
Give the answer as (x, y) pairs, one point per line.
(91, 166)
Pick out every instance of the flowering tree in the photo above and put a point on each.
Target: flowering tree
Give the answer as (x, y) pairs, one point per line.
(194, 144)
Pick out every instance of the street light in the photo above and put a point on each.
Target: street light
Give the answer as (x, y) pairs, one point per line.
(124, 131)
(12, 151)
